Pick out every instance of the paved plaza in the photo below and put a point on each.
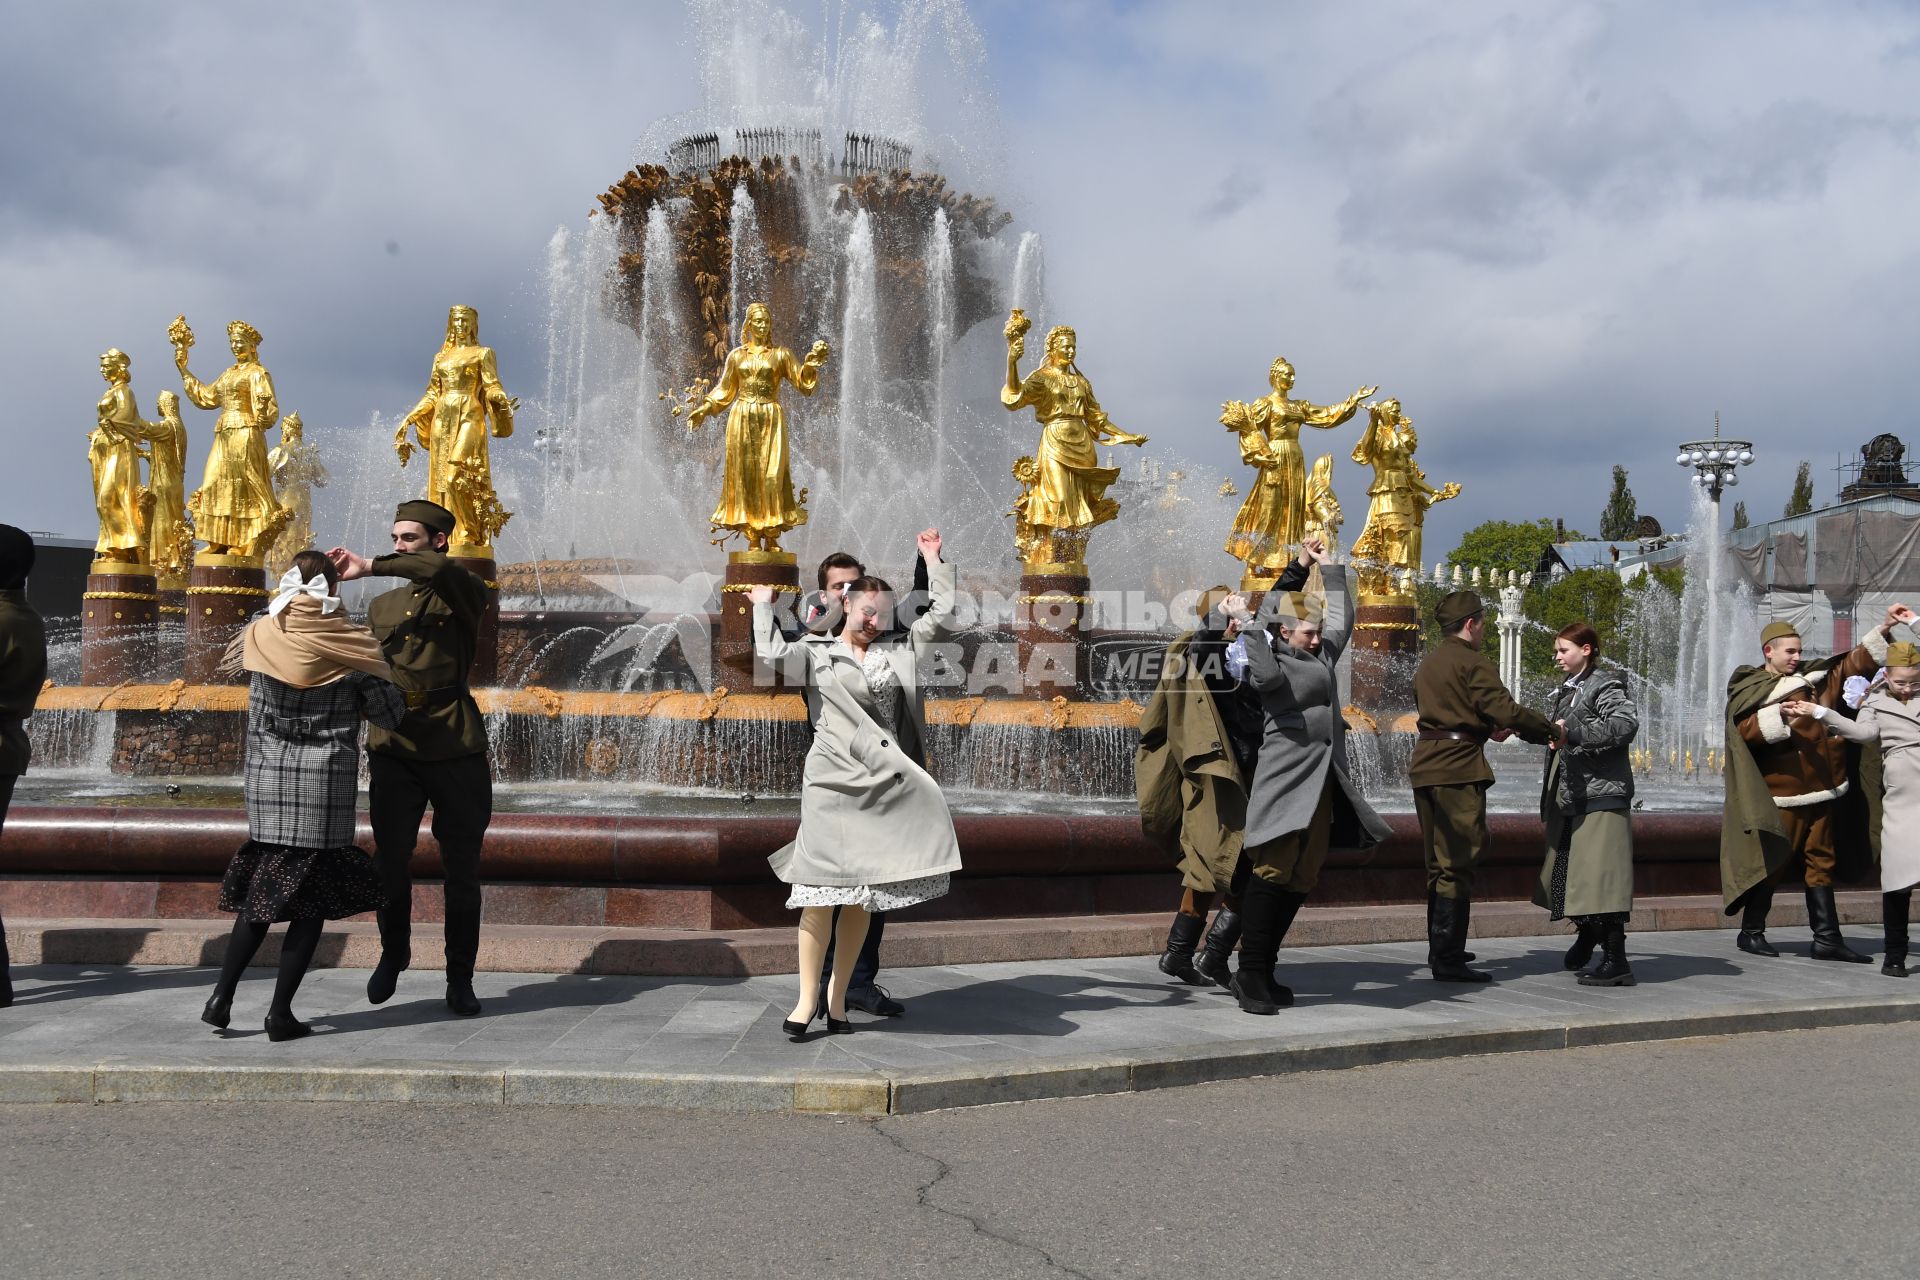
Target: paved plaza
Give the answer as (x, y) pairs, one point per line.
(973, 1034)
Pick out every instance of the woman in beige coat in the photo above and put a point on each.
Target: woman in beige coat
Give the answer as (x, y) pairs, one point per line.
(875, 834)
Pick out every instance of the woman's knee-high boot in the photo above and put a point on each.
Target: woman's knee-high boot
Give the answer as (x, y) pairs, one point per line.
(1253, 985)
(1893, 911)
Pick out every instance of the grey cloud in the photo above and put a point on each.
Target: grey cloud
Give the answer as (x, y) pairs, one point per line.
(1238, 190)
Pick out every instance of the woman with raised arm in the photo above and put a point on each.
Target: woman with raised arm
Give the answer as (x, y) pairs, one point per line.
(875, 834)
(1586, 800)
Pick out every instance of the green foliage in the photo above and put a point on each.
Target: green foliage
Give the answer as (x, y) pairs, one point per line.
(1621, 519)
(1740, 520)
(1802, 500)
(1505, 545)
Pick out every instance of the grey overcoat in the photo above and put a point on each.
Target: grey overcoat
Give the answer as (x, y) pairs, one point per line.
(1585, 800)
(1306, 735)
(869, 812)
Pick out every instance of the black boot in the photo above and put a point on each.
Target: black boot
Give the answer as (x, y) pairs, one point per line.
(1590, 932)
(1214, 962)
(1253, 985)
(1893, 911)
(460, 997)
(1823, 916)
(1177, 960)
(6, 978)
(396, 953)
(1447, 942)
(1753, 922)
(1613, 970)
(1432, 898)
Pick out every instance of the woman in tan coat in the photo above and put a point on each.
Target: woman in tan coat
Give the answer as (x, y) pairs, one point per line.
(875, 833)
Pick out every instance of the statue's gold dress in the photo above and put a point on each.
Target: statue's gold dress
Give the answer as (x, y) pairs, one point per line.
(1070, 491)
(114, 453)
(1274, 516)
(756, 489)
(451, 419)
(235, 505)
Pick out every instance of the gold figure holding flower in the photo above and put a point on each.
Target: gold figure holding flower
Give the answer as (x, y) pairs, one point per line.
(234, 510)
(1065, 486)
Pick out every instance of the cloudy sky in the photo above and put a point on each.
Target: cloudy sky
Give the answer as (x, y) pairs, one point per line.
(1562, 234)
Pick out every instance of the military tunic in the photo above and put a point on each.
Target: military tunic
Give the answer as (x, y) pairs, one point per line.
(1457, 691)
(436, 755)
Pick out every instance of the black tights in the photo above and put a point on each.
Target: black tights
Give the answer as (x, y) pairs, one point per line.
(296, 955)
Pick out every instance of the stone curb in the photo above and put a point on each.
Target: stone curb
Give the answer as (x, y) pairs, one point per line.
(904, 1092)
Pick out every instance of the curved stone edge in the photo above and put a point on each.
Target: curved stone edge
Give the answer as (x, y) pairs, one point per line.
(904, 1092)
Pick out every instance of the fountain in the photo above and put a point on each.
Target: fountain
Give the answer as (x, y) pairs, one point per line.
(634, 762)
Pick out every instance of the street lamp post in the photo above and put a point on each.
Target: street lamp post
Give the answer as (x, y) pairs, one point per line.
(1716, 463)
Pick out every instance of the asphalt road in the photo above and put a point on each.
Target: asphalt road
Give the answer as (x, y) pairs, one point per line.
(1787, 1154)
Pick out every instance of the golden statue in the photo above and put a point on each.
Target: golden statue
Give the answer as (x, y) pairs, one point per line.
(450, 421)
(297, 471)
(1273, 519)
(757, 501)
(1388, 547)
(234, 511)
(170, 533)
(1064, 496)
(114, 451)
(1324, 516)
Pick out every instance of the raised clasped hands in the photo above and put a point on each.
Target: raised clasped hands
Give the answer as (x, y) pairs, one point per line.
(1898, 614)
(1313, 551)
(1800, 709)
(1235, 606)
(928, 541)
(348, 565)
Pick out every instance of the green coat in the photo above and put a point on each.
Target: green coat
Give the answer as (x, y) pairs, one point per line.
(430, 630)
(1457, 687)
(23, 670)
(1193, 799)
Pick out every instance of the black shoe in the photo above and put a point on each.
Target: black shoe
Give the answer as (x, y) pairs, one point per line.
(1613, 969)
(460, 997)
(1753, 922)
(1754, 942)
(1823, 915)
(797, 1031)
(1583, 944)
(219, 1011)
(1257, 992)
(286, 1027)
(1894, 908)
(1446, 942)
(385, 977)
(836, 1027)
(1215, 961)
(1895, 968)
(1177, 960)
(874, 999)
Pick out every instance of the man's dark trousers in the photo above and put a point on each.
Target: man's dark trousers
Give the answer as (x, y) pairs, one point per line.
(461, 793)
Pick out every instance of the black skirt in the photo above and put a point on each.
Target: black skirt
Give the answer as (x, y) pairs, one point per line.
(269, 882)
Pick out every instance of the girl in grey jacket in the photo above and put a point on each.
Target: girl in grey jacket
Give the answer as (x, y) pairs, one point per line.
(1585, 802)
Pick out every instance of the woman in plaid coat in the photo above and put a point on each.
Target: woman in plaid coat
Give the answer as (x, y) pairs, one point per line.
(315, 676)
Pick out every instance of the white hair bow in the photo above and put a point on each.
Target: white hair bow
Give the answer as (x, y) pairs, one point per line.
(291, 586)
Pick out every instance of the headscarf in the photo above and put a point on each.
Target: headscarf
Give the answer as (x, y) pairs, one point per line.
(305, 640)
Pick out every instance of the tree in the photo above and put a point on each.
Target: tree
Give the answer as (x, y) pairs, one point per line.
(1740, 515)
(1802, 500)
(1503, 545)
(1621, 520)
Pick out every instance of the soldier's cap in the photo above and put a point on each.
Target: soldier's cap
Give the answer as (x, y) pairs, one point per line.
(1456, 607)
(431, 514)
(16, 557)
(1902, 653)
(1778, 631)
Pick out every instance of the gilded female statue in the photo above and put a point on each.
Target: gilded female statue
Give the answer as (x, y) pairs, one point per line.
(1065, 498)
(756, 490)
(1273, 518)
(1398, 499)
(234, 510)
(463, 391)
(297, 471)
(1324, 516)
(114, 451)
(170, 532)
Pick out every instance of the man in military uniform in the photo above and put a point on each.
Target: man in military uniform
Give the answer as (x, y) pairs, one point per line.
(1462, 706)
(437, 755)
(1785, 779)
(23, 669)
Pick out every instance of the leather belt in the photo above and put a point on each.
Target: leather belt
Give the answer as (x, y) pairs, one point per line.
(421, 698)
(1452, 735)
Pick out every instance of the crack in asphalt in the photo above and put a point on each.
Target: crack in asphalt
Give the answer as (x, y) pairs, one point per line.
(924, 1200)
